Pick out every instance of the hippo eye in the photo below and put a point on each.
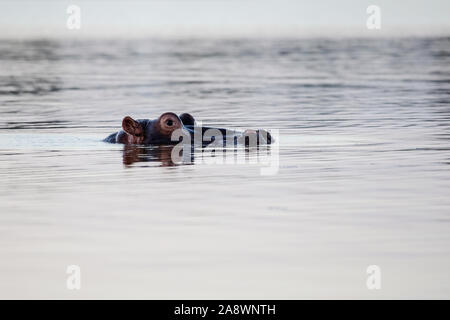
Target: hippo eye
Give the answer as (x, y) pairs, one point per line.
(168, 122)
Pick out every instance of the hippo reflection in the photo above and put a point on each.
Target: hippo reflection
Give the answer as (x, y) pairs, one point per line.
(161, 132)
(158, 154)
(171, 155)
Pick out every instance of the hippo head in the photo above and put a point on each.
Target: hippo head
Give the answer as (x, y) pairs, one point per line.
(157, 131)
(170, 126)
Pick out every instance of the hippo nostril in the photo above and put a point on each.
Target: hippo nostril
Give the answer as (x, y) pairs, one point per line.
(169, 123)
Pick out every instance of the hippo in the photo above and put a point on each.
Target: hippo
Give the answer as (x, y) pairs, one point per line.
(159, 131)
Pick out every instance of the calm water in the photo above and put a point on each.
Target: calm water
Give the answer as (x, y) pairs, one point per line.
(363, 177)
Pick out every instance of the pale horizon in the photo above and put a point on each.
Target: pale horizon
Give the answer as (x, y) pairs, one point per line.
(22, 19)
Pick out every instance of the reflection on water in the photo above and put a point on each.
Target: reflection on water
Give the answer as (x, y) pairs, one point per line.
(362, 175)
(169, 155)
(160, 154)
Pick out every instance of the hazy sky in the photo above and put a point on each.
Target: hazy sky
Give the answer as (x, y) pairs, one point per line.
(133, 17)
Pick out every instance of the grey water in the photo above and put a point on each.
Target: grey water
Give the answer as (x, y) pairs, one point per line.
(361, 169)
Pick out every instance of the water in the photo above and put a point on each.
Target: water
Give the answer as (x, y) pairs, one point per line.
(363, 175)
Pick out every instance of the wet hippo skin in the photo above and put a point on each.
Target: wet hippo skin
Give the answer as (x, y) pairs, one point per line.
(159, 131)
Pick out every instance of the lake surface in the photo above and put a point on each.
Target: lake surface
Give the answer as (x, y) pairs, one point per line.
(362, 169)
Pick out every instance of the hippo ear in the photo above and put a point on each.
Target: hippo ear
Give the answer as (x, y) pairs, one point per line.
(187, 119)
(132, 127)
